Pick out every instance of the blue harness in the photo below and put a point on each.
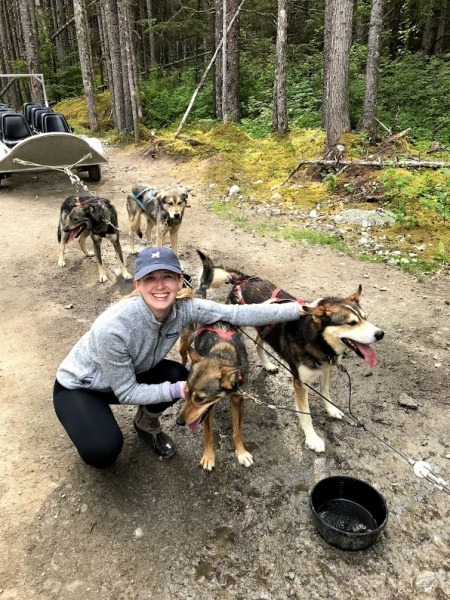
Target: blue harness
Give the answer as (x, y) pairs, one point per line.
(137, 197)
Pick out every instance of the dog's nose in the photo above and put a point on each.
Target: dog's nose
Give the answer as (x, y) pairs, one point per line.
(379, 335)
(181, 421)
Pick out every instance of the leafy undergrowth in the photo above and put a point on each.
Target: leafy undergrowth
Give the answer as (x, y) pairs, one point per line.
(305, 204)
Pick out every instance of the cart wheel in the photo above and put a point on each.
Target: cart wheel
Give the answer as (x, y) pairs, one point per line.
(94, 173)
(4, 176)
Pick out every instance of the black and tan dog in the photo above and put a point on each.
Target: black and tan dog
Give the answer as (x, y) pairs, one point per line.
(83, 216)
(219, 369)
(311, 346)
(161, 208)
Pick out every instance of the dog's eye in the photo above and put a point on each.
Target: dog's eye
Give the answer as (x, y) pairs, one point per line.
(200, 398)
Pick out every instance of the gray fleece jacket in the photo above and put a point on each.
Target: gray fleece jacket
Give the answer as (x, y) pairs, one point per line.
(126, 339)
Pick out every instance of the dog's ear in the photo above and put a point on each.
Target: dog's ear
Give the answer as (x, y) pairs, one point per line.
(316, 312)
(160, 196)
(194, 355)
(356, 297)
(184, 197)
(229, 378)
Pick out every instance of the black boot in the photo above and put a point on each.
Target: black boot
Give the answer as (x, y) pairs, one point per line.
(149, 429)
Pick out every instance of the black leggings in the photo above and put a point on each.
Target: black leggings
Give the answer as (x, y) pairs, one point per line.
(90, 422)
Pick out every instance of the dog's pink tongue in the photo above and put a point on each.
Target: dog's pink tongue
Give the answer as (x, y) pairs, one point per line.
(74, 233)
(368, 353)
(192, 426)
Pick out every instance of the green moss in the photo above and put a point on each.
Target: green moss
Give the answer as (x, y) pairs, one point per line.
(75, 111)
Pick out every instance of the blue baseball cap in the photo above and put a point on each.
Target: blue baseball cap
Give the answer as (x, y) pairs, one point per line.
(155, 259)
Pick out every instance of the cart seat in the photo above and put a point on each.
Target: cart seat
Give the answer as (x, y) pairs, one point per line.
(13, 129)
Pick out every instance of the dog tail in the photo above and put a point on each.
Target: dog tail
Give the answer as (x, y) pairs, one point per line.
(212, 276)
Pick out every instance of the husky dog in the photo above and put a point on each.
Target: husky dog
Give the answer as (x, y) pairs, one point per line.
(161, 208)
(311, 346)
(219, 369)
(83, 216)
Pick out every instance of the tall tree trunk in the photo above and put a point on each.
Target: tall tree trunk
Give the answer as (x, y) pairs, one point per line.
(128, 67)
(111, 21)
(228, 106)
(328, 23)
(7, 52)
(429, 33)
(31, 51)
(336, 102)
(151, 34)
(372, 70)
(84, 54)
(443, 29)
(218, 80)
(279, 110)
(232, 101)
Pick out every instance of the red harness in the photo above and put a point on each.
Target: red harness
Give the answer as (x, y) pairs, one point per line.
(264, 330)
(223, 335)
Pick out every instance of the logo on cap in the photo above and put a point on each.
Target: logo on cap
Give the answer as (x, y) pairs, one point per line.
(156, 255)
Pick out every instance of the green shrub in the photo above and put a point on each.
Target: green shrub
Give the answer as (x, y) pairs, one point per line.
(166, 96)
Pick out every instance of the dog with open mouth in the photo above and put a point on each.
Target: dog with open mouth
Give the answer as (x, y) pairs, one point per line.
(219, 370)
(84, 216)
(311, 346)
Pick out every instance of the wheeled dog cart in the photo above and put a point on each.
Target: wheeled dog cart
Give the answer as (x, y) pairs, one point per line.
(40, 139)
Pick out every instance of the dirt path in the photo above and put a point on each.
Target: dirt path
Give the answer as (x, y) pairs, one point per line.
(150, 529)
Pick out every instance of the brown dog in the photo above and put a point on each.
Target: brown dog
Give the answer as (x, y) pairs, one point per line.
(312, 345)
(219, 369)
(163, 209)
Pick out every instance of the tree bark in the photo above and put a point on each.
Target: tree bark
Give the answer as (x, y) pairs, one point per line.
(336, 102)
(279, 110)
(84, 54)
(111, 24)
(31, 50)
(429, 33)
(372, 70)
(218, 71)
(229, 81)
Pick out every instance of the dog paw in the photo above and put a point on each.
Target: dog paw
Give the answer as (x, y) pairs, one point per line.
(208, 462)
(127, 275)
(316, 443)
(334, 412)
(103, 278)
(61, 263)
(245, 459)
(270, 368)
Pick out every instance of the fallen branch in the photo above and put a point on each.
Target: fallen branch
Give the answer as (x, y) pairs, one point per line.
(378, 164)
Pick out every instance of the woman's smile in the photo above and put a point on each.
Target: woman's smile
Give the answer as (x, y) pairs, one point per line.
(159, 290)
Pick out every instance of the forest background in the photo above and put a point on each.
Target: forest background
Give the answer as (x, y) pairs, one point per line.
(309, 79)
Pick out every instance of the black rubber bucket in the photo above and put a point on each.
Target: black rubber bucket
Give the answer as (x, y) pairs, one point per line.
(347, 512)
